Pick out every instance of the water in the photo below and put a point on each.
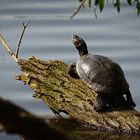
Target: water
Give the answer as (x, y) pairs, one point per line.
(48, 37)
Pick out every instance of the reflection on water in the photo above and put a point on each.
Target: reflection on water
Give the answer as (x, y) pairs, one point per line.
(48, 37)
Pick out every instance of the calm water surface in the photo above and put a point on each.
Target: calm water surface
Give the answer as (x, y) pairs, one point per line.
(48, 37)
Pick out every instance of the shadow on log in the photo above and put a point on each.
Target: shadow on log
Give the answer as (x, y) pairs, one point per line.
(52, 84)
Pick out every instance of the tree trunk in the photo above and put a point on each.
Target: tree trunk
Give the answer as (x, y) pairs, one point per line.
(51, 83)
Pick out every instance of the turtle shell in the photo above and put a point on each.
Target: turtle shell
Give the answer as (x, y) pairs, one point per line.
(101, 74)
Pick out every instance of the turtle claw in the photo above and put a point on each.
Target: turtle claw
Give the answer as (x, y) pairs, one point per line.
(98, 109)
(100, 105)
(101, 109)
(72, 71)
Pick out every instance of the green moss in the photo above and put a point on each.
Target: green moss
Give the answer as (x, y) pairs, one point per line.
(52, 84)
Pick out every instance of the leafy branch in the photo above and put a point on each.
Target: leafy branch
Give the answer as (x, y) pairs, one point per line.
(100, 4)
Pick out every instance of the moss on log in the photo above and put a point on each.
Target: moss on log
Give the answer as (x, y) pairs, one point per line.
(52, 84)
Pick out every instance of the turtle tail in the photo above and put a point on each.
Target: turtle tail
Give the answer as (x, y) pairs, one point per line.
(129, 99)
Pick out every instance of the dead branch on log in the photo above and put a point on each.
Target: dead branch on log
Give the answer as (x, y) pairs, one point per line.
(11, 52)
(20, 39)
(8, 48)
(16, 120)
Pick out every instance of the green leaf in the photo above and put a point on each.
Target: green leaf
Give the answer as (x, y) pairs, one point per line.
(96, 2)
(101, 5)
(95, 7)
(89, 3)
(138, 7)
(129, 2)
(117, 5)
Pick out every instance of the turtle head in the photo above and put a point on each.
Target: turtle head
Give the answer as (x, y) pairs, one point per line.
(80, 45)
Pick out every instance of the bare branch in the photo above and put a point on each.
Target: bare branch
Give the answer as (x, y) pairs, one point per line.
(76, 10)
(20, 39)
(8, 48)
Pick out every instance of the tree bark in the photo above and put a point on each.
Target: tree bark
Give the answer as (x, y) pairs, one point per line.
(51, 83)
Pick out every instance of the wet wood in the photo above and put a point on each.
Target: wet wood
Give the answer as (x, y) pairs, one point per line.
(78, 132)
(51, 83)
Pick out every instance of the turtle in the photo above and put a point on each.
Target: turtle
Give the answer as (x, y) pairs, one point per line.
(104, 76)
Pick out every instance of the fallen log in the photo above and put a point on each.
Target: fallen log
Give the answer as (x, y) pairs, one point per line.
(51, 83)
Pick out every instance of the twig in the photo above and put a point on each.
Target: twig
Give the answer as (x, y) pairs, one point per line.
(8, 48)
(76, 10)
(20, 39)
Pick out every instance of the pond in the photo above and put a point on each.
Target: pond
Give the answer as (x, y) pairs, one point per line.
(48, 36)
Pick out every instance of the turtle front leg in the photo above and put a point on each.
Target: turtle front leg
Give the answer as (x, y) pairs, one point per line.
(100, 105)
(72, 71)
